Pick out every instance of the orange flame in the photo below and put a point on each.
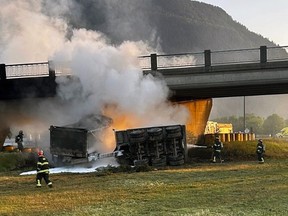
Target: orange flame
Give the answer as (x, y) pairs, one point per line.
(121, 121)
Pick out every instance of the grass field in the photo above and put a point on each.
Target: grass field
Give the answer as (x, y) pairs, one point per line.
(232, 188)
(240, 186)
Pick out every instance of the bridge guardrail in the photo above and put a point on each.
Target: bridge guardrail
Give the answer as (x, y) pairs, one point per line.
(40, 69)
(27, 70)
(273, 53)
(207, 58)
(212, 58)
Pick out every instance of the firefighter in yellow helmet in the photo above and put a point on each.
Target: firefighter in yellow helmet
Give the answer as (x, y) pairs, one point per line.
(42, 170)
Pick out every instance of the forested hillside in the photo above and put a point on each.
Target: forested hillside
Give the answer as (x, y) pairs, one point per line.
(172, 25)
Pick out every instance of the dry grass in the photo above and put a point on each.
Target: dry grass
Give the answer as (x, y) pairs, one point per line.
(235, 188)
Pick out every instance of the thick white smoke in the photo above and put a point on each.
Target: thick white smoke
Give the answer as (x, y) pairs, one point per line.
(26, 34)
(110, 76)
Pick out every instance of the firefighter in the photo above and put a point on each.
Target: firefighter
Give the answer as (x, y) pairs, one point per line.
(19, 140)
(42, 170)
(217, 150)
(260, 150)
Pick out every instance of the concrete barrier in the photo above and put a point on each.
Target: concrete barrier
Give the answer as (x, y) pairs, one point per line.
(230, 137)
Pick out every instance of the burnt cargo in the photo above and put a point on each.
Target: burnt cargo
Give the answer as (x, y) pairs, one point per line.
(153, 146)
(77, 143)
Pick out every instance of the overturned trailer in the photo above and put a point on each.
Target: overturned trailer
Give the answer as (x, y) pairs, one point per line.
(78, 142)
(154, 146)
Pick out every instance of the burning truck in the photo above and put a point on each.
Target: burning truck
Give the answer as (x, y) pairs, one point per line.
(153, 146)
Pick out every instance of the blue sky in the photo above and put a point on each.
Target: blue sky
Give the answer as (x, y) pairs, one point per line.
(266, 17)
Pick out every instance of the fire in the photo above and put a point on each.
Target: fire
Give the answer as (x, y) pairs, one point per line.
(121, 121)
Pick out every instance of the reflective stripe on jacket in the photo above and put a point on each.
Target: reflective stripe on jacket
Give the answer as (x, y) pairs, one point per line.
(218, 146)
(42, 165)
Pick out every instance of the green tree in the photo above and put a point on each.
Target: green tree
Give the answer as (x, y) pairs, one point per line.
(273, 124)
(254, 123)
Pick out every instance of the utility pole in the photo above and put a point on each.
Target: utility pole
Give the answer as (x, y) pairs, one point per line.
(244, 114)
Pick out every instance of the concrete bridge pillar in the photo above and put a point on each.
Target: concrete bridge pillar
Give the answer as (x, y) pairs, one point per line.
(199, 111)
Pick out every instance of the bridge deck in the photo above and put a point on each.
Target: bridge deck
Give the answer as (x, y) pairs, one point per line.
(203, 75)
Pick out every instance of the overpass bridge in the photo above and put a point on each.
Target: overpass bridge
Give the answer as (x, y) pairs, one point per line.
(229, 73)
(208, 74)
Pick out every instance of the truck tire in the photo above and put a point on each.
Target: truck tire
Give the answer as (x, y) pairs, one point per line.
(137, 133)
(156, 138)
(176, 160)
(159, 162)
(143, 162)
(137, 136)
(154, 131)
(155, 134)
(173, 129)
(173, 132)
(174, 135)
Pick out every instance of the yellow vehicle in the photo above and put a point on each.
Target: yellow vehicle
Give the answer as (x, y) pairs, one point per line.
(218, 128)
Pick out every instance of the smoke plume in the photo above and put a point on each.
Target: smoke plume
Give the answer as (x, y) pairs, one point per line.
(110, 79)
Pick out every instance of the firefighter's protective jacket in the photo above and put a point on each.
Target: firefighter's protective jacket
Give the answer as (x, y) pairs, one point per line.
(260, 148)
(218, 146)
(42, 165)
(19, 138)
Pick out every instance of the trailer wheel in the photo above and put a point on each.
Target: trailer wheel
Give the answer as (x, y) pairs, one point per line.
(137, 136)
(174, 135)
(173, 129)
(154, 131)
(137, 133)
(159, 162)
(176, 160)
(155, 134)
(173, 132)
(176, 163)
(143, 162)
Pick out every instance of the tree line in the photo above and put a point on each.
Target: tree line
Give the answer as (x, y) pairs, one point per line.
(271, 125)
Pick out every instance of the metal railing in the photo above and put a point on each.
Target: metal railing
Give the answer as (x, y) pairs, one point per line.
(210, 58)
(13, 71)
(27, 70)
(207, 58)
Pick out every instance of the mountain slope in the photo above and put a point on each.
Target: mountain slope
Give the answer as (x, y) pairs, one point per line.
(174, 25)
